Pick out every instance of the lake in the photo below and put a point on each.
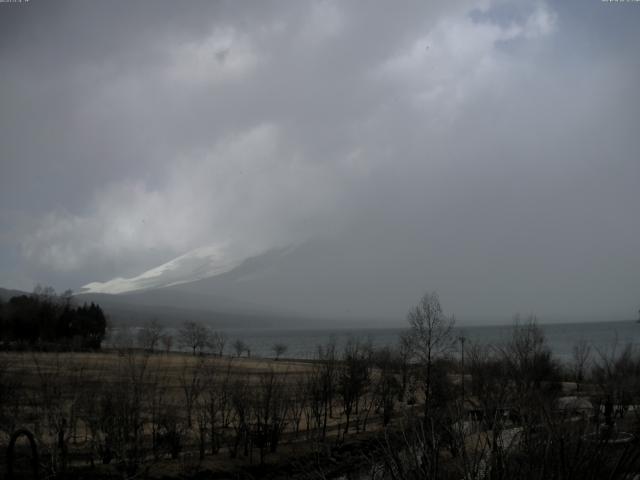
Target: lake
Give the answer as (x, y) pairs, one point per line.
(603, 336)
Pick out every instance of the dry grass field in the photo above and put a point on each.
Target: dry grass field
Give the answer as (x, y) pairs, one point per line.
(174, 414)
(130, 414)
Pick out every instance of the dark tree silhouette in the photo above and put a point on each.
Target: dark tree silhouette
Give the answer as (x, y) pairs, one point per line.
(46, 318)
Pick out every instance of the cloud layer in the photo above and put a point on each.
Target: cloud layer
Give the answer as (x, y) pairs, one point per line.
(484, 149)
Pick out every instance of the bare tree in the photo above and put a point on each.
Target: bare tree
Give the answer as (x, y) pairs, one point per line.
(241, 417)
(191, 379)
(403, 359)
(239, 347)
(10, 395)
(317, 408)
(327, 375)
(528, 356)
(167, 342)
(430, 338)
(617, 372)
(269, 412)
(353, 378)
(56, 401)
(298, 402)
(120, 339)
(216, 401)
(122, 418)
(581, 357)
(218, 342)
(386, 387)
(279, 349)
(195, 336)
(149, 335)
(157, 404)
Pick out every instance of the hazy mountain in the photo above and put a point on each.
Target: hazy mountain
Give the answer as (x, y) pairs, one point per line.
(173, 308)
(355, 284)
(156, 305)
(289, 280)
(6, 293)
(280, 287)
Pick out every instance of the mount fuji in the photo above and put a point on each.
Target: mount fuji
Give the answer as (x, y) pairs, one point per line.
(304, 285)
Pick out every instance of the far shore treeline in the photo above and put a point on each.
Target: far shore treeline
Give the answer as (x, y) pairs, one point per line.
(47, 320)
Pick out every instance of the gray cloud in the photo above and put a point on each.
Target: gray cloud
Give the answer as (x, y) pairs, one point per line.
(484, 149)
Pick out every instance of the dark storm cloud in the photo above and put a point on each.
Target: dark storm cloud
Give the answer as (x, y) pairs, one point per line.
(484, 149)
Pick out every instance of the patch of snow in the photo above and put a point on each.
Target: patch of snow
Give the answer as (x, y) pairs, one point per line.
(203, 262)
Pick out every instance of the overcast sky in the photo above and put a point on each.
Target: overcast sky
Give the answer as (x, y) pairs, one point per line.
(488, 150)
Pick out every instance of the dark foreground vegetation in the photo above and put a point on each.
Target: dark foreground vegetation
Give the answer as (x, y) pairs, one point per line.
(433, 407)
(45, 320)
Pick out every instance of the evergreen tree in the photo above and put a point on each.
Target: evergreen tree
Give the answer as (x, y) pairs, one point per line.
(48, 318)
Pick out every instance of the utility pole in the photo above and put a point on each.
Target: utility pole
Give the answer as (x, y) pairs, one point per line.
(462, 340)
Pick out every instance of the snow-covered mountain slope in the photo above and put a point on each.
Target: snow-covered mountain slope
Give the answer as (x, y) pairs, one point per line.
(200, 263)
(321, 278)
